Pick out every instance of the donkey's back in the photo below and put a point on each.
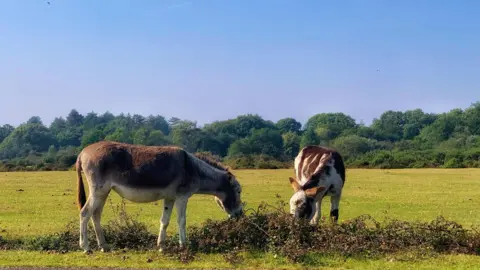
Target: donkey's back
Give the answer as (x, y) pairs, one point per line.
(135, 168)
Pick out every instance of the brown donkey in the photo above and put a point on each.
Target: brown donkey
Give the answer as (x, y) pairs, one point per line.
(144, 174)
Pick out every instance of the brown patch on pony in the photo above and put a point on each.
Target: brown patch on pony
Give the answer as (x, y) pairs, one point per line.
(295, 185)
(313, 192)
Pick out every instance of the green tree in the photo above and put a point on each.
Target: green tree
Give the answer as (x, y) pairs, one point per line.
(186, 134)
(35, 120)
(443, 128)
(156, 137)
(389, 126)
(58, 124)
(472, 118)
(309, 138)
(335, 123)
(5, 131)
(353, 145)
(92, 136)
(120, 135)
(262, 141)
(288, 125)
(158, 123)
(26, 138)
(291, 144)
(74, 119)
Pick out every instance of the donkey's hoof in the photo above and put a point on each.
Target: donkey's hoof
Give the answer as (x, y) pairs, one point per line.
(105, 249)
(161, 250)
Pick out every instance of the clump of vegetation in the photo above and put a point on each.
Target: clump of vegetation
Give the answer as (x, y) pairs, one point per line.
(271, 229)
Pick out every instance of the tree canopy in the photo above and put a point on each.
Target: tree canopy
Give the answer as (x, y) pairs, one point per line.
(395, 139)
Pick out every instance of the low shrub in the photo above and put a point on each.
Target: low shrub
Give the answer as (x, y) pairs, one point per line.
(271, 229)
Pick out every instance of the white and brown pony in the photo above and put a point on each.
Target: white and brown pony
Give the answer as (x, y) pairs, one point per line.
(144, 174)
(319, 172)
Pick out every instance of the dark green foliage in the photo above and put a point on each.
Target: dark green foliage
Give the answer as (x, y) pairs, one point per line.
(291, 144)
(288, 125)
(5, 130)
(25, 139)
(410, 139)
(335, 123)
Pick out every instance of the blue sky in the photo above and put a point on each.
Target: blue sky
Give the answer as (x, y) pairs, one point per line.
(209, 60)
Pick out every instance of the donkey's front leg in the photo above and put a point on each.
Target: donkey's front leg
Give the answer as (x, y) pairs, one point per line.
(181, 204)
(335, 201)
(167, 212)
(318, 212)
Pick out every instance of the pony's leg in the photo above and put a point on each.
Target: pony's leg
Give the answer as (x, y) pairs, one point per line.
(335, 201)
(85, 215)
(167, 212)
(98, 202)
(181, 205)
(318, 212)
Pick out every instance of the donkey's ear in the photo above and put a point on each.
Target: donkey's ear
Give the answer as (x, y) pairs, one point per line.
(314, 191)
(296, 187)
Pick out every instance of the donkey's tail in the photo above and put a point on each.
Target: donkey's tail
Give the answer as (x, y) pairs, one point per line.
(81, 198)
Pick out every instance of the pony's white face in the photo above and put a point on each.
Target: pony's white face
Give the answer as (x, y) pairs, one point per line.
(230, 201)
(302, 202)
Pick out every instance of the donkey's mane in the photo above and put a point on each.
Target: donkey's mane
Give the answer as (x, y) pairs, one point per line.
(212, 162)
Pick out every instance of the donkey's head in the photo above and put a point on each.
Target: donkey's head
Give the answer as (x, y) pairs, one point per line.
(228, 197)
(302, 202)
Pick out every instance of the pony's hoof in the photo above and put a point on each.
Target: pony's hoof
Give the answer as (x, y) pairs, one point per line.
(161, 250)
(88, 252)
(105, 249)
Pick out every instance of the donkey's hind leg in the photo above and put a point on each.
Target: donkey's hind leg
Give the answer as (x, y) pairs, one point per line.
(165, 220)
(93, 209)
(85, 215)
(99, 199)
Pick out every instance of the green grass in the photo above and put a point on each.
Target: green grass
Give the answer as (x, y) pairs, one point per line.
(47, 204)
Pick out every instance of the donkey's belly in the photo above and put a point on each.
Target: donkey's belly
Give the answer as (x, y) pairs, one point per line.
(140, 195)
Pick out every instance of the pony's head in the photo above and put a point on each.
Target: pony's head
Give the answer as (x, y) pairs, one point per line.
(228, 197)
(302, 202)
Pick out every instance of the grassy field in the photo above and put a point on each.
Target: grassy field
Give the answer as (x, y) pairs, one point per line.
(44, 202)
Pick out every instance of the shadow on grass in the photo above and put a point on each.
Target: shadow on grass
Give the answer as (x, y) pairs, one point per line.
(270, 229)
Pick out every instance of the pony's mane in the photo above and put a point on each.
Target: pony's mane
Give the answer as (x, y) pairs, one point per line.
(211, 161)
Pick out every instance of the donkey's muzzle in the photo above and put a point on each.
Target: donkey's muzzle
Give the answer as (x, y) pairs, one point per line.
(237, 214)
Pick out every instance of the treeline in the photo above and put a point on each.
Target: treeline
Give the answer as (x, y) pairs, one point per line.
(410, 139)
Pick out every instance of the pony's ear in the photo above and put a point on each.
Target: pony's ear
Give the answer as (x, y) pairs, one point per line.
(296, 187)
(313, 192)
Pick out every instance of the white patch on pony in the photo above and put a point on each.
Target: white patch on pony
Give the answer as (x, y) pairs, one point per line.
(297, 199)
(140, 195)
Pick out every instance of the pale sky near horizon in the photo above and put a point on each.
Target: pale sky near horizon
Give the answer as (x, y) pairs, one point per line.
(209, 60)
